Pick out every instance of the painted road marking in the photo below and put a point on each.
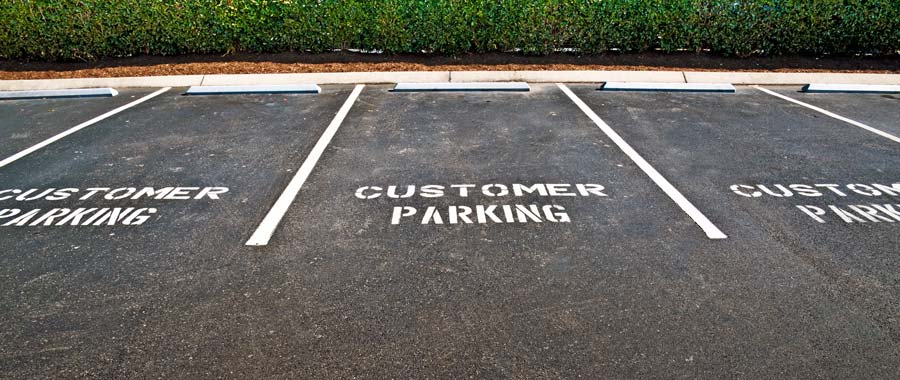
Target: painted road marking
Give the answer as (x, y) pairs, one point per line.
(851, 88)
(878, 212)
(831, 114)
(263, 89)
(69, 93)
(79, 127)
(493, 213)
(470, 86)
(667, 87)
(267, 227)
(708, 227)
(100, 215)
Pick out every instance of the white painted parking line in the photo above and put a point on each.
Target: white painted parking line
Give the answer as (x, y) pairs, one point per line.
(462, 86)
(852, 88)
(831, 114)
(667, 87)
(70, 93)
(267, 227)
(261, 89)
(708, 227)
(79, 127)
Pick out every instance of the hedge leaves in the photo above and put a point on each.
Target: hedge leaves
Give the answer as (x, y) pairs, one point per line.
(92, 29)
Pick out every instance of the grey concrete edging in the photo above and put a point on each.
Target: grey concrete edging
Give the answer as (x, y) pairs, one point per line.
(790, 78)
(255, 89)
(667, 87)
(69, 93)
(586, 76)
(61, 84)
(461, 86)
(851, 88)
(327, 78)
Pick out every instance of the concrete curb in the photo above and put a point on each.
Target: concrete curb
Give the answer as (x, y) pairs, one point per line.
(790, 78)
(566, 76)
(327, 78)
(60, 84)
(455, 76)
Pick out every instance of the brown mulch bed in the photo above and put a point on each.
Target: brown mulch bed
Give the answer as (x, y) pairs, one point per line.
(346, 62)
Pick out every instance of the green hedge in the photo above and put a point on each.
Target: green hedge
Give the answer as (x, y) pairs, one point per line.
(92, 29)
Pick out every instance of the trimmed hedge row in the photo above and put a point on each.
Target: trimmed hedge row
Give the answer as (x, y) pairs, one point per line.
(92, 29)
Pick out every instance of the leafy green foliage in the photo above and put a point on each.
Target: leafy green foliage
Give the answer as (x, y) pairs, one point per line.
(92, 29)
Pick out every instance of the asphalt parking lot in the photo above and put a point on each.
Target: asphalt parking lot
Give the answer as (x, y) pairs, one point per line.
(562, 232)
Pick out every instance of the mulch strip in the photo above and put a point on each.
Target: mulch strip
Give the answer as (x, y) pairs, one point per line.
(360, 62)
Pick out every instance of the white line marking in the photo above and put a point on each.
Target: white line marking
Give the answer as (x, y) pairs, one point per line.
(80, 127)
(267, 227)
(831, 114)
(708, 227)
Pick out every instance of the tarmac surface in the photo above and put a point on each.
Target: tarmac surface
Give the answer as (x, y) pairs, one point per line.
(452, 235)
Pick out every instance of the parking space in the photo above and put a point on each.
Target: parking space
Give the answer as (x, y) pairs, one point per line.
(422, 165)
(787, 184)
(29, 121)
(459, 224)
(757, 147)
(881, 111)
(614, 280)
(136, 216)
(453, 234)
